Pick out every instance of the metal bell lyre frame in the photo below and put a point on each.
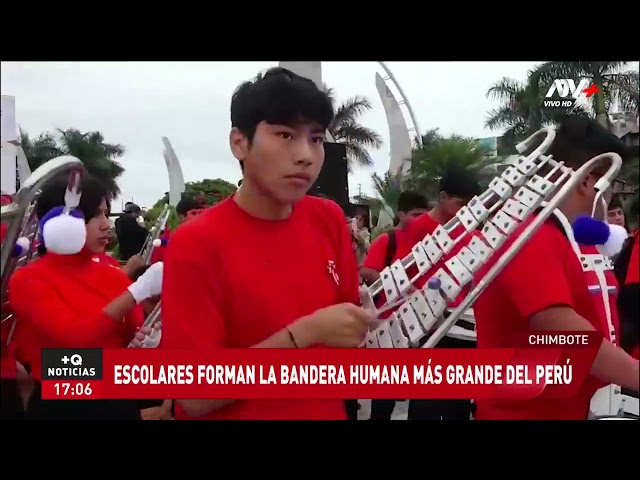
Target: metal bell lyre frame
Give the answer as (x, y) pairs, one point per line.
(147, 251)
(509, 200)
(22, 222)
(73, 194)
(152, 318)
(154, 234)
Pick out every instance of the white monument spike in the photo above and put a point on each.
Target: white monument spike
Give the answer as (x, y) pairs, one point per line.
(313, 71)
(399, 139)
(176, 179)
(8, 141)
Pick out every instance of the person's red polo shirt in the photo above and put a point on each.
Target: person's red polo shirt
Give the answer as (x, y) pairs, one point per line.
(106, 259)
(633, 272)
(232, 280)
(545, 273)
(158, 252)
(633, 275)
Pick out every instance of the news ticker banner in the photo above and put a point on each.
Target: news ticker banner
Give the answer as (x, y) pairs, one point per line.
(550, 365)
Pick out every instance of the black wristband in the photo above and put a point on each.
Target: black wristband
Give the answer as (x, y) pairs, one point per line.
(293, 340)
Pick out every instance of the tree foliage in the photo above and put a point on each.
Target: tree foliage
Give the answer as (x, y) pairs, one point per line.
(521, 112)
(614, 82)
(211, 190)
(345, 128)
(98, 157)
(388, 187)
(437, 153)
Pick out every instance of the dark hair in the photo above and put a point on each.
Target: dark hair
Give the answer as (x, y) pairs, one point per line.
(410, 200)
(187, 204)
(578, 139)
(615, 203)
(93, 192)
(459, 182)
(131, 207)
(52, 196)
(279, 97)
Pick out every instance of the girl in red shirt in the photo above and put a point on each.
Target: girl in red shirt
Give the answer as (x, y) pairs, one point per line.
(65, 299)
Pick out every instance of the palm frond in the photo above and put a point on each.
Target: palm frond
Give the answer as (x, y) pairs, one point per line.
(98, 156)
(344, 128)
(347, 112)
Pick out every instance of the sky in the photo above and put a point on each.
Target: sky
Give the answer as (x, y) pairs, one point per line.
(135, 104)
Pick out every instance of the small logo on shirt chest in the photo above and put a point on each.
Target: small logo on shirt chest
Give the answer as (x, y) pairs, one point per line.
(331, 267)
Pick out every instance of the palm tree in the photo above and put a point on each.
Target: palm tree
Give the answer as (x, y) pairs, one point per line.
(344, 128)
(98, 157)
(521, 112)
(437, 153)
(388, 188)
(611, 78)
(628, 92)
(212, 190)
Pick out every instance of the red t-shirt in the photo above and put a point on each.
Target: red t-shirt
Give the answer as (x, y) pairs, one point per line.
(3, 232)
(377, 253)
(58, 300)
(106, 259)
(633, 275)
(158, 252)
(546, 272)
(633, 272)
(249, 280)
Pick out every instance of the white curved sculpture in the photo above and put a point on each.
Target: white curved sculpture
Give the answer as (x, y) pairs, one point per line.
(8, 140)
(313, 71)
(15, 166)
(399, 139)
(176, 179)
(403, 101)
(24, 171)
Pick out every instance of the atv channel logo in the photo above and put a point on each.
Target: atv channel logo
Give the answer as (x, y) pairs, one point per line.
(564, 93)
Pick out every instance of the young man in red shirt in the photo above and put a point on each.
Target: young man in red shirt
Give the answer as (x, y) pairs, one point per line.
(268, 267)
(544, 288)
